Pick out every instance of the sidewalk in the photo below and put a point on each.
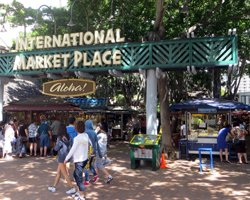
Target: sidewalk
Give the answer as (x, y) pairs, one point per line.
(28, 178)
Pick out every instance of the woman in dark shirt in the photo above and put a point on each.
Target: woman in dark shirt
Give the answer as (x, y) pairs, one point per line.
(22, 134)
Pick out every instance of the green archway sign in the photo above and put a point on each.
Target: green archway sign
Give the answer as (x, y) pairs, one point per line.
(106, 50)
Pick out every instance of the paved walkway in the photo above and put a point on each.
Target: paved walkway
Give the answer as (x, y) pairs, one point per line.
(28, 178)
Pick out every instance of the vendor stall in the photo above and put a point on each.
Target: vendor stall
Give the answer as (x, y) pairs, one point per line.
(204, 118)
(145, 147)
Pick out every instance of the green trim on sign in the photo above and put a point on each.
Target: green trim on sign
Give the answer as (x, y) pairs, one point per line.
(168, 55)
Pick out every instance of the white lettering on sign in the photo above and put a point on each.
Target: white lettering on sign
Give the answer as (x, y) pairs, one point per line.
(107, 57)
(67, 40)
(62, 87)
(62, 60)
(41, 62)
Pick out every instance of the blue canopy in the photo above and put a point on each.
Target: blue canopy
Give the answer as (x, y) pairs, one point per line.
(219, 104)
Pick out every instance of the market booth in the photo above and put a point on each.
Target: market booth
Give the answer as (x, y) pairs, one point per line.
(145, 147)
(204, 118)
(33, 107)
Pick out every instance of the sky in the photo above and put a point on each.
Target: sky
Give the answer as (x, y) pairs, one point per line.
(12, 33)
(37, 3)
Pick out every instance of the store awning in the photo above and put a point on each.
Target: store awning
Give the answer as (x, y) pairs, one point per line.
(37, 107)
(219, 104)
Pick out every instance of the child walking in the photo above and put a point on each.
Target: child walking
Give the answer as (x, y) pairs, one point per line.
(99, 162)
(62, 146)
(79, 152)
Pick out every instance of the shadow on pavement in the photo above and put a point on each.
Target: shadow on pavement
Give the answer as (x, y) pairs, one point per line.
(28, 178)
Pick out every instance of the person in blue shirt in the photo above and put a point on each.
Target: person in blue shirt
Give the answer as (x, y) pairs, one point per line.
(89, 129)
(71, 130)
(45, 135)
(72, 133)
(221, 142)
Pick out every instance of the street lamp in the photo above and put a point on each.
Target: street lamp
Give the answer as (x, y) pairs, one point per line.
(71, 15)
(71, 23)
(51, 15)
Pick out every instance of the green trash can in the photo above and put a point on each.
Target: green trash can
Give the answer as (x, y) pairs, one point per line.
(145, 147)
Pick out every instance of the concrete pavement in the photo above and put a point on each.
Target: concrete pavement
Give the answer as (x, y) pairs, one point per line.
(28, 178)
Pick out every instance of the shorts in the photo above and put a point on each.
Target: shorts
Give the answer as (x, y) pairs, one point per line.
(44, 141)
(241, 146)
(99, 162)
(32, 140)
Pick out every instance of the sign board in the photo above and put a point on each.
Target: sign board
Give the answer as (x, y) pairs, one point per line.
(207, 110)
(69, 87)
(86, 103)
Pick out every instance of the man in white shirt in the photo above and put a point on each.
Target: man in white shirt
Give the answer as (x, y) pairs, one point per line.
(183, 130)
(79, 152)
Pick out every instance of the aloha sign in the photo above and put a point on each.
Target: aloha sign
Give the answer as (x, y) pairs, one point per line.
(80, 58)
(69, 87)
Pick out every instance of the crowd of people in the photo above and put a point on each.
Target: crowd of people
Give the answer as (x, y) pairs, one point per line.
(78, 143)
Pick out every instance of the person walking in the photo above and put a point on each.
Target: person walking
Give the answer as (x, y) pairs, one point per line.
(221, 142)
(45, 135)
(89, 129)
(55, 126)
(102, 157)
(72, 133)
(62, 149)
(79, 153)
(71, 129)
(86, 169)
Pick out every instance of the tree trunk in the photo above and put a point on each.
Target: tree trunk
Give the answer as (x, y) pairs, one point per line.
(157, 34)
(165, 114)
(216, 83)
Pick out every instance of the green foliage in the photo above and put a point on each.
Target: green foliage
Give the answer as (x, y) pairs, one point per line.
(18, 15)
(123, 91)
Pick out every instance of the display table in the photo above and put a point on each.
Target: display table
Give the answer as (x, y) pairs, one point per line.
(187, 147)
(145, 147)
(203, 142)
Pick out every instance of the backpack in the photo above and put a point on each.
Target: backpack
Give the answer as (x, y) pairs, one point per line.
(65, 147)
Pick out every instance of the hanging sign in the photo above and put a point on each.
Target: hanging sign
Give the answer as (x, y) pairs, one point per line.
(86, 103)
(207, 110)
(69, 87)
